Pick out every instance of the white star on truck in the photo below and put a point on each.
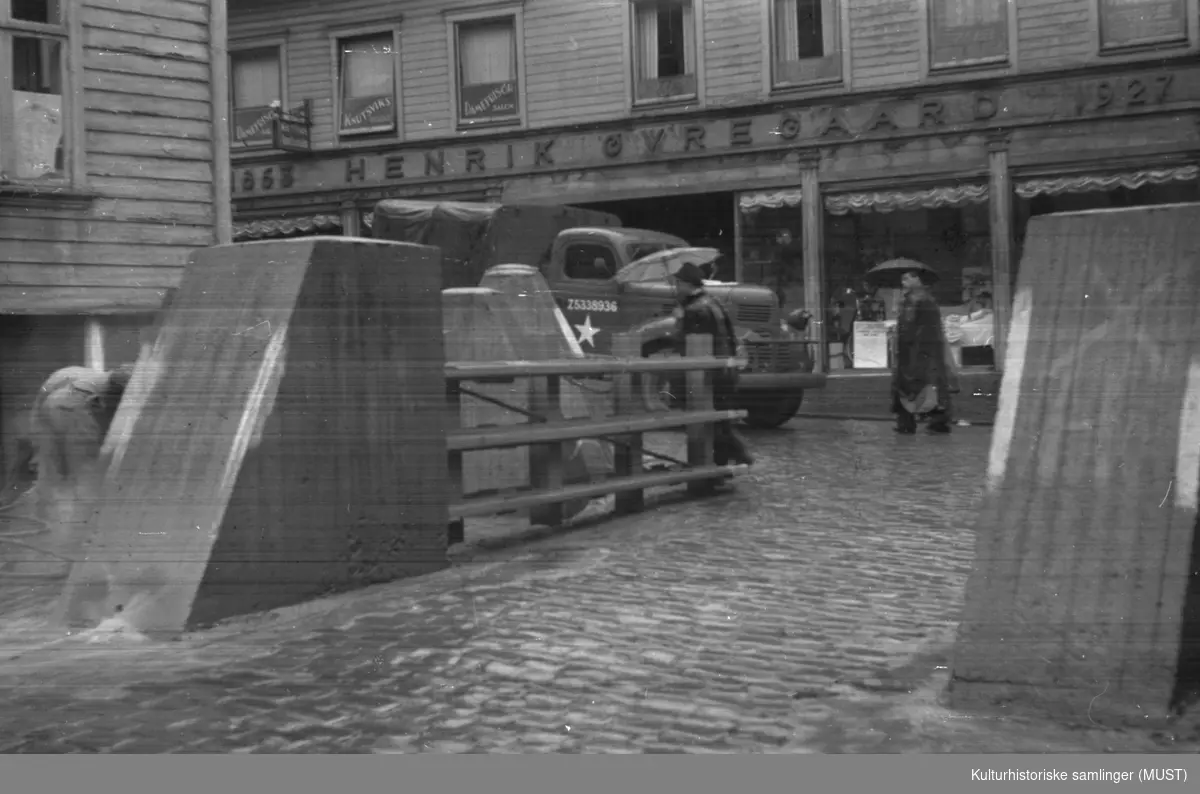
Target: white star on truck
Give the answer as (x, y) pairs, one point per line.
(587, 332)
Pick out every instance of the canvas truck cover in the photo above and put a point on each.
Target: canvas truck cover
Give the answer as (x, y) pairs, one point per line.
(475, 236)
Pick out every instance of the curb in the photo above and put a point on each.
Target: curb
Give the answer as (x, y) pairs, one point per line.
(876, 418)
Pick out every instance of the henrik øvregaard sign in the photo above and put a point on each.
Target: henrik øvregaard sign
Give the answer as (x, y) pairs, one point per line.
(488, 100)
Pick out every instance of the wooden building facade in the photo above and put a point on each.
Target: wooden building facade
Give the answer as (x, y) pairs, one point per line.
(113, 168)
(808, 138)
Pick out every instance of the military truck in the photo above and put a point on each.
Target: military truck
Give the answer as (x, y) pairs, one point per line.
(602, 279)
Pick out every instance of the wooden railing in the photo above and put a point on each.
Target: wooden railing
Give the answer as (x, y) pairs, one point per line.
(549, 436)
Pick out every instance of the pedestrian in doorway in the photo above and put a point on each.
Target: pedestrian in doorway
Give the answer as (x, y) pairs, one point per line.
(699, 314)
(921, 382)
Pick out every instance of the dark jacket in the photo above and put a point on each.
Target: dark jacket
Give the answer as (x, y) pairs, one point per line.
(920, 349)
(699, 313)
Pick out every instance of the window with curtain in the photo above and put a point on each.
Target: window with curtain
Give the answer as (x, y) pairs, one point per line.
(664, 50)
(967, 32)
(367, 84)
(33, 41)
(256, 85)
(806, 45)
(487, 70)
(1134, 23)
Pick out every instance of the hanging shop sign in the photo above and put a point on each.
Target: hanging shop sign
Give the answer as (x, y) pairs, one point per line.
(814, 125)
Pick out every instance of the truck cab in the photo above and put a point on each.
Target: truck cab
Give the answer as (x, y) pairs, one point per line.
(603, 285)
(603, 282)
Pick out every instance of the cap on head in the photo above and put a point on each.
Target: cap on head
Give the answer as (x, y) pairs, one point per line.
(688, 273)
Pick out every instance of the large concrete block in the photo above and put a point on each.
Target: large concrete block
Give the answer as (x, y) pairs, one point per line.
(284, 439)
(1085, 598)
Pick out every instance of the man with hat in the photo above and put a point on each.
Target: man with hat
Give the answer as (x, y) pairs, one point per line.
(698, 313)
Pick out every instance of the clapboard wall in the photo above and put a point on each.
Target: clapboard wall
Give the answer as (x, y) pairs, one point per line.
(143, 194)
(578, 55)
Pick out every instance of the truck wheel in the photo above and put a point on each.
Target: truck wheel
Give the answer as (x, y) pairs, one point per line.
(770, 411)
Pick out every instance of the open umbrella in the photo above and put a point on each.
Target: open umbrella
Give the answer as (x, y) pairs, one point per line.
(887, 274)
(660, 265)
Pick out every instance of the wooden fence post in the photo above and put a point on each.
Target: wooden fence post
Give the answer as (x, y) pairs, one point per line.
(456, 531)
(627, 451)
(546, 461)
(699, 398)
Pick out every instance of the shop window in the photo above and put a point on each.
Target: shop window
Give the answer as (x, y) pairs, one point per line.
(488, 56)
(664, 40)
(366, 71)
(33, 40)
(256, 89)
(772, 253)
(955, 241)
(806, 42)
(1126, 24)
(967, 33)
(589, 261)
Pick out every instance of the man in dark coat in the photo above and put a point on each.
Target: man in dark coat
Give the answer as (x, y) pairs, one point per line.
(698, 313)
(921, 383)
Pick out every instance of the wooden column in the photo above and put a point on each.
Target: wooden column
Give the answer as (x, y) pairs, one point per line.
(1000, 212)
(351, 221)
(93, 345)
(812, 213)
(739, 267)
(222, 168)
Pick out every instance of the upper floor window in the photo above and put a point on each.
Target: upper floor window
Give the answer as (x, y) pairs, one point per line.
(664, 39)
(34, 136)
(1142, 23)
(487, 54)
(967, 32)
(367, 84)
(256, 88)
(806, 42)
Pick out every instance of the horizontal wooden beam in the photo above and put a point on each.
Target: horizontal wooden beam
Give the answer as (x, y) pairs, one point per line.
(493, 505)
(475, 439)
(507, 370)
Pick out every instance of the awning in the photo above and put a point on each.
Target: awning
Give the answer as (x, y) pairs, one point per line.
(286, 227)
(773, 199)
(875, 201)
(1130, 180)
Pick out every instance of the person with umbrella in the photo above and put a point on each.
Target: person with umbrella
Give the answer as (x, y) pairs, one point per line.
(922, 380)
(698, 313)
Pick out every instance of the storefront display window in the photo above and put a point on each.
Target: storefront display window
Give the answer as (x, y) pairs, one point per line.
(952, 237)
(771, 250)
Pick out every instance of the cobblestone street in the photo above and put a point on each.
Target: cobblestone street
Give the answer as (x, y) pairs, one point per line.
(809, 609)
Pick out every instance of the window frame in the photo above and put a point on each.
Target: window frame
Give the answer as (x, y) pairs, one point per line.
(1187, 42)
(336, 36)
(775, 82)
(492, 12)
(1007, 60)
(278, 43)
(688, 98)
(69, 32)
(600, 244)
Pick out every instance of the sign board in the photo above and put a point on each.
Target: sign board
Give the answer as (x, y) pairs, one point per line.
(291, 131)
(366, 114)
(1132, 23)
(486, 101)
(870, 345)
(39, 122)
(253, 126)
(845, 121)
